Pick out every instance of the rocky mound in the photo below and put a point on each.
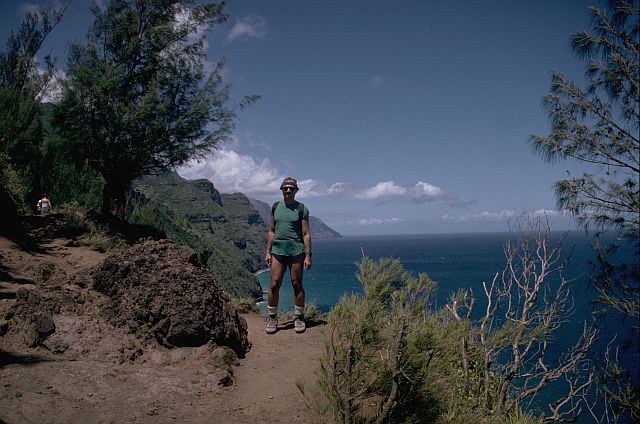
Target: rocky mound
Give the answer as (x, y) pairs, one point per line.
(158, 290)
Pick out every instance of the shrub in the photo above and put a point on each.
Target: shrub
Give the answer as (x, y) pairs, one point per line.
(378, 349)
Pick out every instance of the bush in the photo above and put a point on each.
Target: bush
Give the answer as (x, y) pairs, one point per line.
(245, 305)
(77, 223)
(378, 349)
(10, 181)
(389, 357)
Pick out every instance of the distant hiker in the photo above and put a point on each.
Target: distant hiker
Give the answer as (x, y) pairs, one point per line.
(288, 246)
(117, 208)
(44, 205)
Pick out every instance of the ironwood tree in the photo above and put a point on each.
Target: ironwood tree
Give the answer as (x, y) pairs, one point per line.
(23, 80)
(138, 98)
(598, 126)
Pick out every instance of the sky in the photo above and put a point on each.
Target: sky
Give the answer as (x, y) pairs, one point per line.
(404, 117)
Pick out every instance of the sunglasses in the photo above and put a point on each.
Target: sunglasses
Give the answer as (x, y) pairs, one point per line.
(288, 189)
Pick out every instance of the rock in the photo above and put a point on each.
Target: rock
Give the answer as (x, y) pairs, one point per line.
(37, 329)
(31, 317)
(222, 356)
(225, 379)
(56, 345)
(157, 291)
(220, 363)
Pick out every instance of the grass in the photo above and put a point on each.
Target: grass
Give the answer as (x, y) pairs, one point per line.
(311, 314)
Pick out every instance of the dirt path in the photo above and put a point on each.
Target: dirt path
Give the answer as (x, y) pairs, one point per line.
(266, 382)
(88, 371)
(162, 386)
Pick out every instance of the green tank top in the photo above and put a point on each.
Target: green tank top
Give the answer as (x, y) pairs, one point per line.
(288, 229)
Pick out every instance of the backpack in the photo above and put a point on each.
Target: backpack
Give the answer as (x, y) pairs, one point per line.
(300, 210)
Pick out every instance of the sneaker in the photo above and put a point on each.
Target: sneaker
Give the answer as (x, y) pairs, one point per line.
(272, 324)
(299, 324)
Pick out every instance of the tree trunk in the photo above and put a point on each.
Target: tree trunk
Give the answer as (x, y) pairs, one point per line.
(112, 192)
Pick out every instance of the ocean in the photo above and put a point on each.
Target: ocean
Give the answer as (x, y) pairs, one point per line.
(455, 261)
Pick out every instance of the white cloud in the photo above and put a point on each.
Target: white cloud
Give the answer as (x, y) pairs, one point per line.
(382, 192)
(250, 26)
(388, 191)
(233, 172)
(375, 221)
(502, 216)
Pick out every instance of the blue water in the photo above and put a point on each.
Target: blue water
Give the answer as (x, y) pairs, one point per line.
(454, 261)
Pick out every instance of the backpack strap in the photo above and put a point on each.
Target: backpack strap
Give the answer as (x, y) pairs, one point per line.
(273, 208)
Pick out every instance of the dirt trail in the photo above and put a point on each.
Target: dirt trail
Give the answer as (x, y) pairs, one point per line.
(266, 386)
(89, 371)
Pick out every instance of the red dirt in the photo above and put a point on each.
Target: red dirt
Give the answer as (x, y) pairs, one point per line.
(91, 368)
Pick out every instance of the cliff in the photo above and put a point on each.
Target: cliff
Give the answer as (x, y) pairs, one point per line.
(225, 230)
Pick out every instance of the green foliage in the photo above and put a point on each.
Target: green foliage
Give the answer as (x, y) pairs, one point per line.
(599, 125)
(21, 86)
(245, 305)
(519, 417)
(137, 98)
(375, 365)
(65, 176)
(390, 357)
(76, 222)
(75, 218)
(619, 389)
(380, 280)
(10, 180)
(101, 240)
(311, 313)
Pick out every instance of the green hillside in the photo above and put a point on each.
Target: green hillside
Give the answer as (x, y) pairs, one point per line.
(227, 234)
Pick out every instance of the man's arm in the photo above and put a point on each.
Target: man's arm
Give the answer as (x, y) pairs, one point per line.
(306, 238)
(270, 236)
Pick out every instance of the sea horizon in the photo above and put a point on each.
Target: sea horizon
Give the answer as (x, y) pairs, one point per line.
(470, 232)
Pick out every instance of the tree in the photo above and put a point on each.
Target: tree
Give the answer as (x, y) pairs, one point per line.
(510, 344)
(21, 85)
(599, 127)
(137, 99)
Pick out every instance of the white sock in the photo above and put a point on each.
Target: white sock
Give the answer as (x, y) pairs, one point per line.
(299, 310)
(273, 310)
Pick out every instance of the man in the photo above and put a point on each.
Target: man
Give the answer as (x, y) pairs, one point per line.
(288, 247)
(44, 205)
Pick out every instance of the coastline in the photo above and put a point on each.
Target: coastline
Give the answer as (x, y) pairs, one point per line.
(261, 271)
